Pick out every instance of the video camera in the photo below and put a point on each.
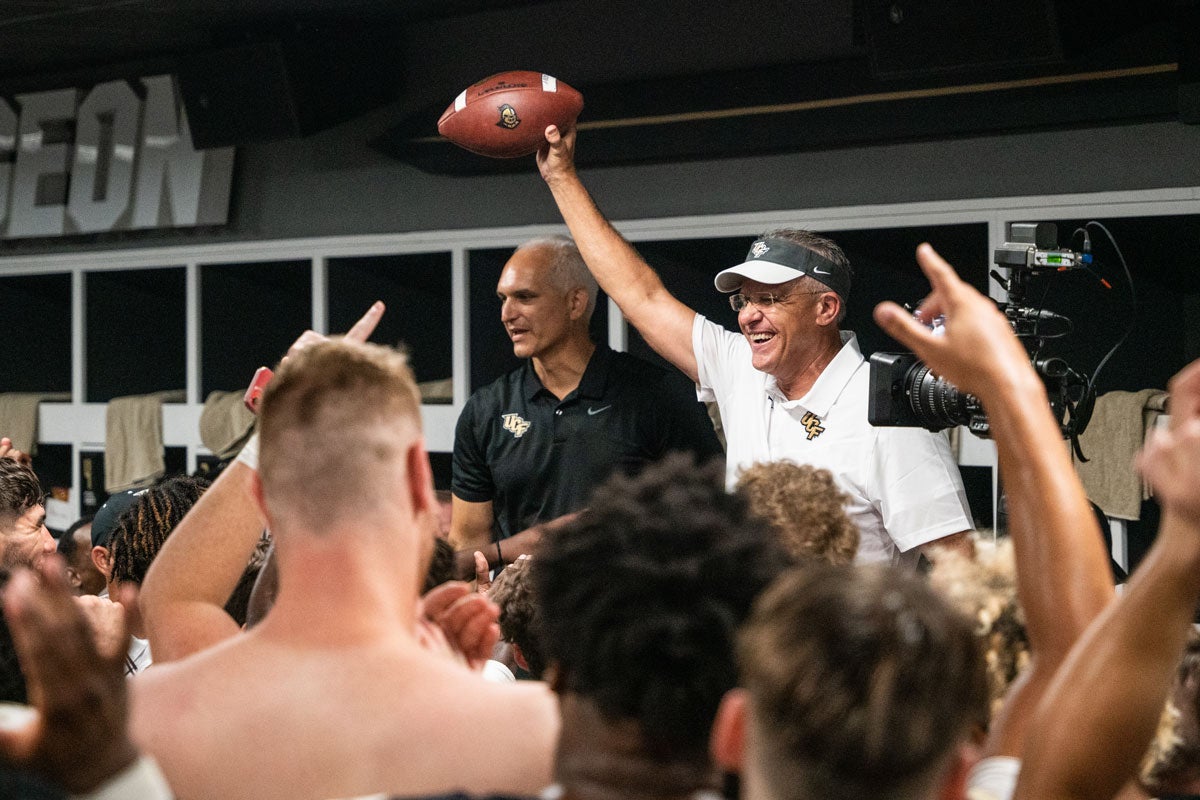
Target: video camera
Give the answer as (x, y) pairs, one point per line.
(905, 393)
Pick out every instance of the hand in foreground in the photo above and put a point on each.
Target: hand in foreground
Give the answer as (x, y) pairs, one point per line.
(359, 332)
(1171, 460)
(106, 620)
(556, 158)
(79, 738)
(8, 451)
(977, 351)
(468, 620)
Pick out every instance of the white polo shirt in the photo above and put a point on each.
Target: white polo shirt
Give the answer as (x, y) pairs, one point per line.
(904, 485)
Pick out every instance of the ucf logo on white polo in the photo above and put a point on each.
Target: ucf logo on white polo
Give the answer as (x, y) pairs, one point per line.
(515, 425)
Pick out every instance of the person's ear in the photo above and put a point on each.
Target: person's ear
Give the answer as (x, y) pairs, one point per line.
(828, 308)
(103, 560)
(73, 579)
(577, 302)
(420, 479)
(519, 657)
(727, 744)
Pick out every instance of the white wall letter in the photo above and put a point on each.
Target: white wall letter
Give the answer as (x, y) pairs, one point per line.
(36, 159)
(92, 207)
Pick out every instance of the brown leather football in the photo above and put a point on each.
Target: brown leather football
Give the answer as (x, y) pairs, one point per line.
(505, 115)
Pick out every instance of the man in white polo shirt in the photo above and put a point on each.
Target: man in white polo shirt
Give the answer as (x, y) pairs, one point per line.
(791, 385)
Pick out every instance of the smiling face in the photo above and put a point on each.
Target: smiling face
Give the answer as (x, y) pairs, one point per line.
(783, 336)
(538, 315)
(26, 541)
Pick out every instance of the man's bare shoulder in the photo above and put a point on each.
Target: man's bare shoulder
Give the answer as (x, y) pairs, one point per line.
(380, 698)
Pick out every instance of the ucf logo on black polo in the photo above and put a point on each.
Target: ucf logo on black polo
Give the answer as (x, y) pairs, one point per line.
(508, 117)
(514, 424)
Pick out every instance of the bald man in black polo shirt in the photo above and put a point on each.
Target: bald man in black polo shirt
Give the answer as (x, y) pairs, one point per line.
(531, 446)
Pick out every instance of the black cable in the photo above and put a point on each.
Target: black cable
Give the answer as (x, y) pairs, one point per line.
(1087, 403)
(1133, 308)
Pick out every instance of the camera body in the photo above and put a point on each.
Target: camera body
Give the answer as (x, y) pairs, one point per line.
(904, 392)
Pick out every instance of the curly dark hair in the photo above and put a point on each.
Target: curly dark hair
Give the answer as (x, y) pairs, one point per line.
(520, 618)
(144, 526)
(19, 490)
(642, 595)
(441, 565)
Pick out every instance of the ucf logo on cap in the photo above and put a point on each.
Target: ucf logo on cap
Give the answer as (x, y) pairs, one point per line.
(758, 249)
(508, 117)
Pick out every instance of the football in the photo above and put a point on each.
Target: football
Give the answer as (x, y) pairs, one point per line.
(506, 115)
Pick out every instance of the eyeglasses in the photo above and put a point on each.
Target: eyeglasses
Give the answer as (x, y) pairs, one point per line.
(761, 299)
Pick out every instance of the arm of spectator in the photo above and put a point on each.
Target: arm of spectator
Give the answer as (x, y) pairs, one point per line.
(664, 322)
(525, 543)
(1113, 685)
(183, 597)
(79, 738)
(1063, 581)
(470, 526)
(8, 451)
(184, 594)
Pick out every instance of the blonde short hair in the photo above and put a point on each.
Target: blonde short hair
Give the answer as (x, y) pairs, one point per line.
(334, 425)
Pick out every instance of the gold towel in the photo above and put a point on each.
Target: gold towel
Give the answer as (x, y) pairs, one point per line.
(133, 443)
(19, 417)
(225, 423)
(1116, 432)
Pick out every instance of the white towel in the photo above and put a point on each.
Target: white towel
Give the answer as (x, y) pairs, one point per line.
(225, 423)
(1113, 436)
(19, 417)
(133, 444)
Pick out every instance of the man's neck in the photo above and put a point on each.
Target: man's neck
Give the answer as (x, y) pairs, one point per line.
(561, 370)
(341, 592)
(808, 365)
(600, 759)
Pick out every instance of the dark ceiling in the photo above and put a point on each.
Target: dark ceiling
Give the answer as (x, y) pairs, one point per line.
(41, 37)
(747, 76)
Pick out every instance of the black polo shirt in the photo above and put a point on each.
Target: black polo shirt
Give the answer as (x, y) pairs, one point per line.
(536, 457)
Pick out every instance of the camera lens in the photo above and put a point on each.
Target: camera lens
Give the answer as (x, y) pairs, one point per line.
(936, 402)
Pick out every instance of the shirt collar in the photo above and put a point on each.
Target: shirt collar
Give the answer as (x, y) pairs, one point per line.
(592, 383)
(830, 383)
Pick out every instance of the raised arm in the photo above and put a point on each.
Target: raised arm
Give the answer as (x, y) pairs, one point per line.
(664, 322)
(1063, 581)
(1112, 688)
(183, 597)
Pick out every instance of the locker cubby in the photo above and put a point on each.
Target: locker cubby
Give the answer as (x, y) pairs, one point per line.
(35, 351)
(249, 315)
(136, 332)
(416, 287)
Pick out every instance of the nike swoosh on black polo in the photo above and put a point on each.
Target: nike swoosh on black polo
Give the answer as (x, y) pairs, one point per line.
(594, 411)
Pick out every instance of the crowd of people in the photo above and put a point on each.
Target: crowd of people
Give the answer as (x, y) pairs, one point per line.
(639, 618)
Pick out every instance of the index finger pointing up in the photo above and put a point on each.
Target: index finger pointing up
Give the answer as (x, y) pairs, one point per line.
(362, 330)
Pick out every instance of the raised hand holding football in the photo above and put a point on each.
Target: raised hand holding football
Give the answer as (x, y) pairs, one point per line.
(505, 115)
